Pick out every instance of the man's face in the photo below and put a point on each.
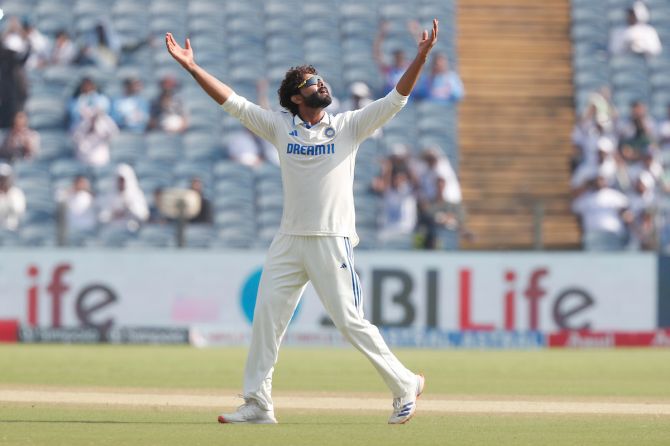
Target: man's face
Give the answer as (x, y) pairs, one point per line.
(316, 95)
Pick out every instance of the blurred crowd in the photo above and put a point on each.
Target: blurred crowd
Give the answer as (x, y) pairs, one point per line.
(619, 181)
(420, 195)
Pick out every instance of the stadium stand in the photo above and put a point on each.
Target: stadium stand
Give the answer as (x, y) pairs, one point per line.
(630, 76)
(238, 42)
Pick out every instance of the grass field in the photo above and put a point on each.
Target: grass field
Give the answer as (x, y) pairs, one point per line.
(137, 389)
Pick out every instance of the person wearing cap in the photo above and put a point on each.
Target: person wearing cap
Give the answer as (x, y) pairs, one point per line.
(359, 96)
(638, 37)
(12, 200)
(131, 111)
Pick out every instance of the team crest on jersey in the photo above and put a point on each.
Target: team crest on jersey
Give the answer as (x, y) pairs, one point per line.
(330, 132)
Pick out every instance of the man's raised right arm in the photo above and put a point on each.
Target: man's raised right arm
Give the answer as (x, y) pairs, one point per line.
(216, 89)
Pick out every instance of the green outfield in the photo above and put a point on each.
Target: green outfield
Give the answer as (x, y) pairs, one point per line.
(51, 380)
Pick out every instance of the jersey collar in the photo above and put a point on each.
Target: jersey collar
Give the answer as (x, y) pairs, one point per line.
(325, 120)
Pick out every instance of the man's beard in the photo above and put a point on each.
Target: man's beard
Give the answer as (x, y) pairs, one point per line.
(315, 101)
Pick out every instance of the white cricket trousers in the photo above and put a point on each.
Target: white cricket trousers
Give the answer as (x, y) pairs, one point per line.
(326, 261)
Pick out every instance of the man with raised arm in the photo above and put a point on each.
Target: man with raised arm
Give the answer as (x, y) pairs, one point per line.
(317, 153)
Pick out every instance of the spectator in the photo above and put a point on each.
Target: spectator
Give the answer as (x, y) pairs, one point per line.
(101, 47)
(642, 201)
(126, 207)
(80, 206)
(441, 84)
(637, 37)
(87, 100)
(64, 51)
(391, 72)
(440, 200)
(664, 132)
(12, 200)
(205, 214)
(397, 162)
(605, 164)
(131, 111)
(92, 137)
(445, 219)
(637, 134)
(21, 142)
(399, 215)
(360, 96)
(40, 46)
(167, 111)
(605, 112)
(14, 82)
(436, 166)
(588, 131)
(604, 214)
(246, 148)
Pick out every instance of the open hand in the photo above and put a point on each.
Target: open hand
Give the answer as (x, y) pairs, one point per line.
(425, 43)
(182, 55)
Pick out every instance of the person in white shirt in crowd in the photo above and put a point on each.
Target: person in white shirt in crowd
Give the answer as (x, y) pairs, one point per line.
(440, 200)
(12, 200)
(359, 96)
(64, 51)
(638, 37)
(604, 217)
(40, 45)
(605, 164)
(167, 112)
(399, 214)
(605, 112)
(589, 129)
(92, 137)
(436, 165)
(80, 210)
(126, 207)
(317, 234)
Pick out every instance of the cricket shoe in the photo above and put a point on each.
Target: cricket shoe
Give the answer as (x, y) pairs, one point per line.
(249, 412)
(404, 408)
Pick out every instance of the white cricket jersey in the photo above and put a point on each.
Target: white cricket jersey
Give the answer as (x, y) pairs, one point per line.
(317, 162)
